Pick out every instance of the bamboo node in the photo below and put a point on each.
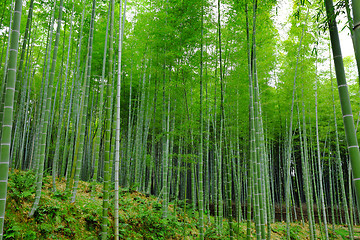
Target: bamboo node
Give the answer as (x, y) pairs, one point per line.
(356, 26)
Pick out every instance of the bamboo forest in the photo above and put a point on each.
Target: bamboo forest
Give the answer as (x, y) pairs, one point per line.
(179, 119)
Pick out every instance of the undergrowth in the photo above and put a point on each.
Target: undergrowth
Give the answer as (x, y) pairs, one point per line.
(140, 216)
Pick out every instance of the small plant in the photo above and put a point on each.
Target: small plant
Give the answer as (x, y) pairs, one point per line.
(46, 229)
(157, 206)
(12, 232)
(46, 212)
(61, 195)
(294, 232)
(30, 235)
(210, 233)
(22, 185)
(92, 222)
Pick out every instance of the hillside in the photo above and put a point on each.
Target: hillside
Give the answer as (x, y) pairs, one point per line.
(139, 215)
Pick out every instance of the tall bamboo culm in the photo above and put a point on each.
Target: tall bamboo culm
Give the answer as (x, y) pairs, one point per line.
(7, 120)
(348, 119)
(118, 114)
(45, 115)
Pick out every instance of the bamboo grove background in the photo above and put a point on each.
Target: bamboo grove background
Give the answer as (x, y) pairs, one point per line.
(187, 100)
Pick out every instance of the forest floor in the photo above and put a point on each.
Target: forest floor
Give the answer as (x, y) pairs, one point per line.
(140, 216)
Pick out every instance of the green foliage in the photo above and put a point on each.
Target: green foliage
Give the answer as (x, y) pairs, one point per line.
(294, 232)
(211, 234)
(55, 218)
(140, 217)
(166, 36)
(12, 232)
(151, 226)
(22, 185)
(61, 195)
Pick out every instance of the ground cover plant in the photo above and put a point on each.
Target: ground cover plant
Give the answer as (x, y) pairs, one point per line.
(140, 216)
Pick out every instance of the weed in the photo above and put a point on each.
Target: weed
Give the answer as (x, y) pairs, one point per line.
(46, 229)
(30, 235)
(45, 212)
(21, 185)
(92, 222)
(61, 195)
(210, 233)
(12, 232)
(294, 232)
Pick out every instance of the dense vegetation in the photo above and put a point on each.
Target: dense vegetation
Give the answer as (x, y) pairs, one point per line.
(140, 216)
(218, 106)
